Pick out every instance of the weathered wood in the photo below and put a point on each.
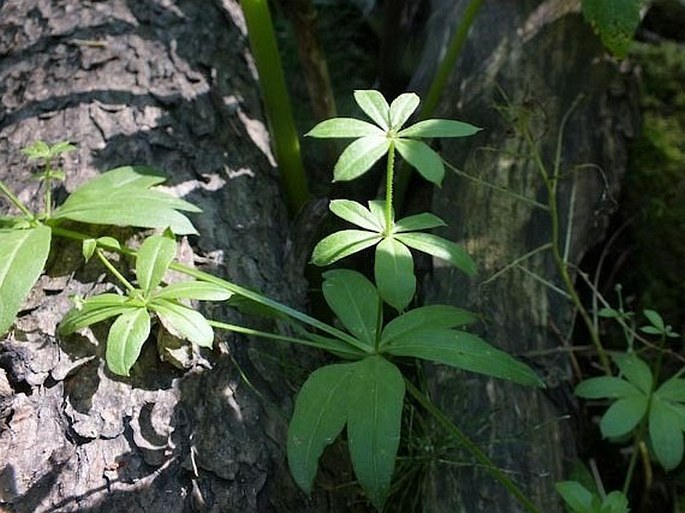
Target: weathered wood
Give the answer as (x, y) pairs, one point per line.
(542, 56)
(164, 83)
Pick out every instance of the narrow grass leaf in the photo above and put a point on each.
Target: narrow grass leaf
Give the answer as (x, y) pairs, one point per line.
(635, 370)
(355, 301)
(359, 156)
(375, 398)
(425, 221)
(622, 416)
(153, 259)
(341, 244)
(402, 108)
(464, 351)
(183, 322)
(319, 417)
(22, 258)
(440, 248)
(439, 128)
(666, 433)
(344, 127)
(374, 105)
(355, 213)
(605, 387)
(200, 290)
(426, 161)
(394, 273)
(125, 340)
(424, 317)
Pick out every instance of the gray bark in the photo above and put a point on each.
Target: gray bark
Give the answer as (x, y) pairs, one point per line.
(543, 56)
(169, 84)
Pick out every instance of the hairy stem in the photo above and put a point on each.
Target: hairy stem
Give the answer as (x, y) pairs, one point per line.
(114, 270)
(470, 446)
(389, 177)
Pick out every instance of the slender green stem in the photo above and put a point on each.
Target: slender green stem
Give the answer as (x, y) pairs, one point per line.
(16, 201)
(470, 446)
(47, 183)
(389, 177)
(113, 270)
(276, 102)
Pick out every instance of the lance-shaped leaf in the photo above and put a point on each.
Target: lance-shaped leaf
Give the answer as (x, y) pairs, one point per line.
(622, 416)
(375, 397)
(201, 290)
(183, 322)
(341, 244)
(335, 346)
(424, 221)
(355, 213)
(425, 317)
(666, 433)
(635, 370)
(615, 21)
(374, 105)
(426, 161)
(355, 301)
(377, 209)
(605, 386)
(93, 310)
(125, 340)
(123, 197)
(359, 156)
(22, 257)
(672, 390)
(344, 127)
(153, 259)
(439, 128)
(440, 248)
(319, 417)
(464, 351)
(402, 108)
(576, 496)
(394, 273)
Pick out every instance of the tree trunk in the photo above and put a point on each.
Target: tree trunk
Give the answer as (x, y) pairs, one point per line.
(522, 59)
(169, 84)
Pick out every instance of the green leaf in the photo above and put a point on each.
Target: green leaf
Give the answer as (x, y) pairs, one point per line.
(651, 330)
(125, 340)
(609, 313)
(655, 319)
(153, 259)
(341, 244)
(416, 222)
(37, 150)
(622, 416)
(440, 248)
(605, 386)
(355, 301)
(426, 161)
(615, 21)
(464, 351)
(377, 209)
(93, 310)
(635, 370)
(424, 317)
(359, 156)
(576, 496)
(355, 213)
(319, 417)
(88, 248)
(109, 243)
(672, 390)
(615, 502)
(374, 105)
(439, 128)
(344, 127)
(201, 290)
(335, 346)
(375, 397)
(183, 322)
(666, 433)
(394, 273)
(402, 108)
(61, 148)
(123, 197)
(23, 254)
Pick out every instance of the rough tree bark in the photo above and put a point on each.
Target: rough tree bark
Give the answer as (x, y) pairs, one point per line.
(542, 56)
(169, 84)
